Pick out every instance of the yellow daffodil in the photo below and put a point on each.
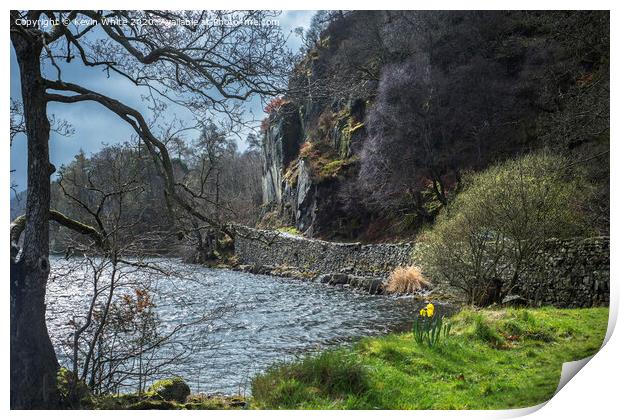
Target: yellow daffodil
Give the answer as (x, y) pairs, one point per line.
(423, 311)
(430, 309)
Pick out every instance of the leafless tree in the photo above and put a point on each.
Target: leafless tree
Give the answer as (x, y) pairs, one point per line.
(116, 340)
(222, 182)
(17, 124)
(207, 61)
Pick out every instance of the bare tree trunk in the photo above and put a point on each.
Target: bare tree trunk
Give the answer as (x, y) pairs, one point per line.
(33, 360)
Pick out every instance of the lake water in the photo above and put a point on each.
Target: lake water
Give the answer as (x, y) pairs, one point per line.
(257, 320)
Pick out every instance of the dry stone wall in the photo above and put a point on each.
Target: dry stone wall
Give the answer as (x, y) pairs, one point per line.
(265, 247)
(565, 273)
(569, 273)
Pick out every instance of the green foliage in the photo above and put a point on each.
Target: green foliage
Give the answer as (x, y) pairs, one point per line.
(483, 364)
(313, 380)
(149, 402)
(481, 242)
(333, 168)
(324, 161)
(153, 405)
(484, 332)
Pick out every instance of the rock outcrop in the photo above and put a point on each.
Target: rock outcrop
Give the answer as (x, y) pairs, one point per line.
(172, 389)
(307, 181)
(281, 143)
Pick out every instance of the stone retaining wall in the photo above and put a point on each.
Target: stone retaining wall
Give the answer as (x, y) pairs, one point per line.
(264, 247)
(566, 273)
(569, 273)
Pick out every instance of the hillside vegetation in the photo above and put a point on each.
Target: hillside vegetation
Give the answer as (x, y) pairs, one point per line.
(387, 112)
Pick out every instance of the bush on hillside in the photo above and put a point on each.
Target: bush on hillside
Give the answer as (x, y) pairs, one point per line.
(481, 242)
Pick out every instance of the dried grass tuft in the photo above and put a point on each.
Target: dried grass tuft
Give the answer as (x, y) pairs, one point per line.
(406, 280)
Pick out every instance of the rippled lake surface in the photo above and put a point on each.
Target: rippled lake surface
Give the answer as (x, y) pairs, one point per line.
(258, 320)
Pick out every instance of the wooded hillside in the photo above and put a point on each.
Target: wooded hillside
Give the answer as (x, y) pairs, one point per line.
(387, 111)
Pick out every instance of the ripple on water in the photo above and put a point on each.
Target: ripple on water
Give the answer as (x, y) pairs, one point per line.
(272, 319)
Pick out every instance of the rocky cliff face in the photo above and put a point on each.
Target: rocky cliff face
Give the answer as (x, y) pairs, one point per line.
(305, 180)
(281, 143)
(313, 138)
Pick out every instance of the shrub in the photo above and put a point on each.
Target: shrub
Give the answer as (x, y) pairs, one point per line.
(482, 243)
(406, 280)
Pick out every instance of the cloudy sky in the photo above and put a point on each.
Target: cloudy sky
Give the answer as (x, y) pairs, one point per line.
(95, 126)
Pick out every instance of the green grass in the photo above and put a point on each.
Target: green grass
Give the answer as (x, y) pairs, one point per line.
(494, 359)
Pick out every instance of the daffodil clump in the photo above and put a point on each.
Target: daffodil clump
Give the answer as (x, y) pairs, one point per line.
(428, 310)
(429, 327)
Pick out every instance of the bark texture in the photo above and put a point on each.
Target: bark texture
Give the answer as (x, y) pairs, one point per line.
(33, 360)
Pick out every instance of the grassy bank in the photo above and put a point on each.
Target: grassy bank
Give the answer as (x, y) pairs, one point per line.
(494, 359)
(193, 402)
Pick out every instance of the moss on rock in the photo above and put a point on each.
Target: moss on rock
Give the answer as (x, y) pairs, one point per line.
(171, 389)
